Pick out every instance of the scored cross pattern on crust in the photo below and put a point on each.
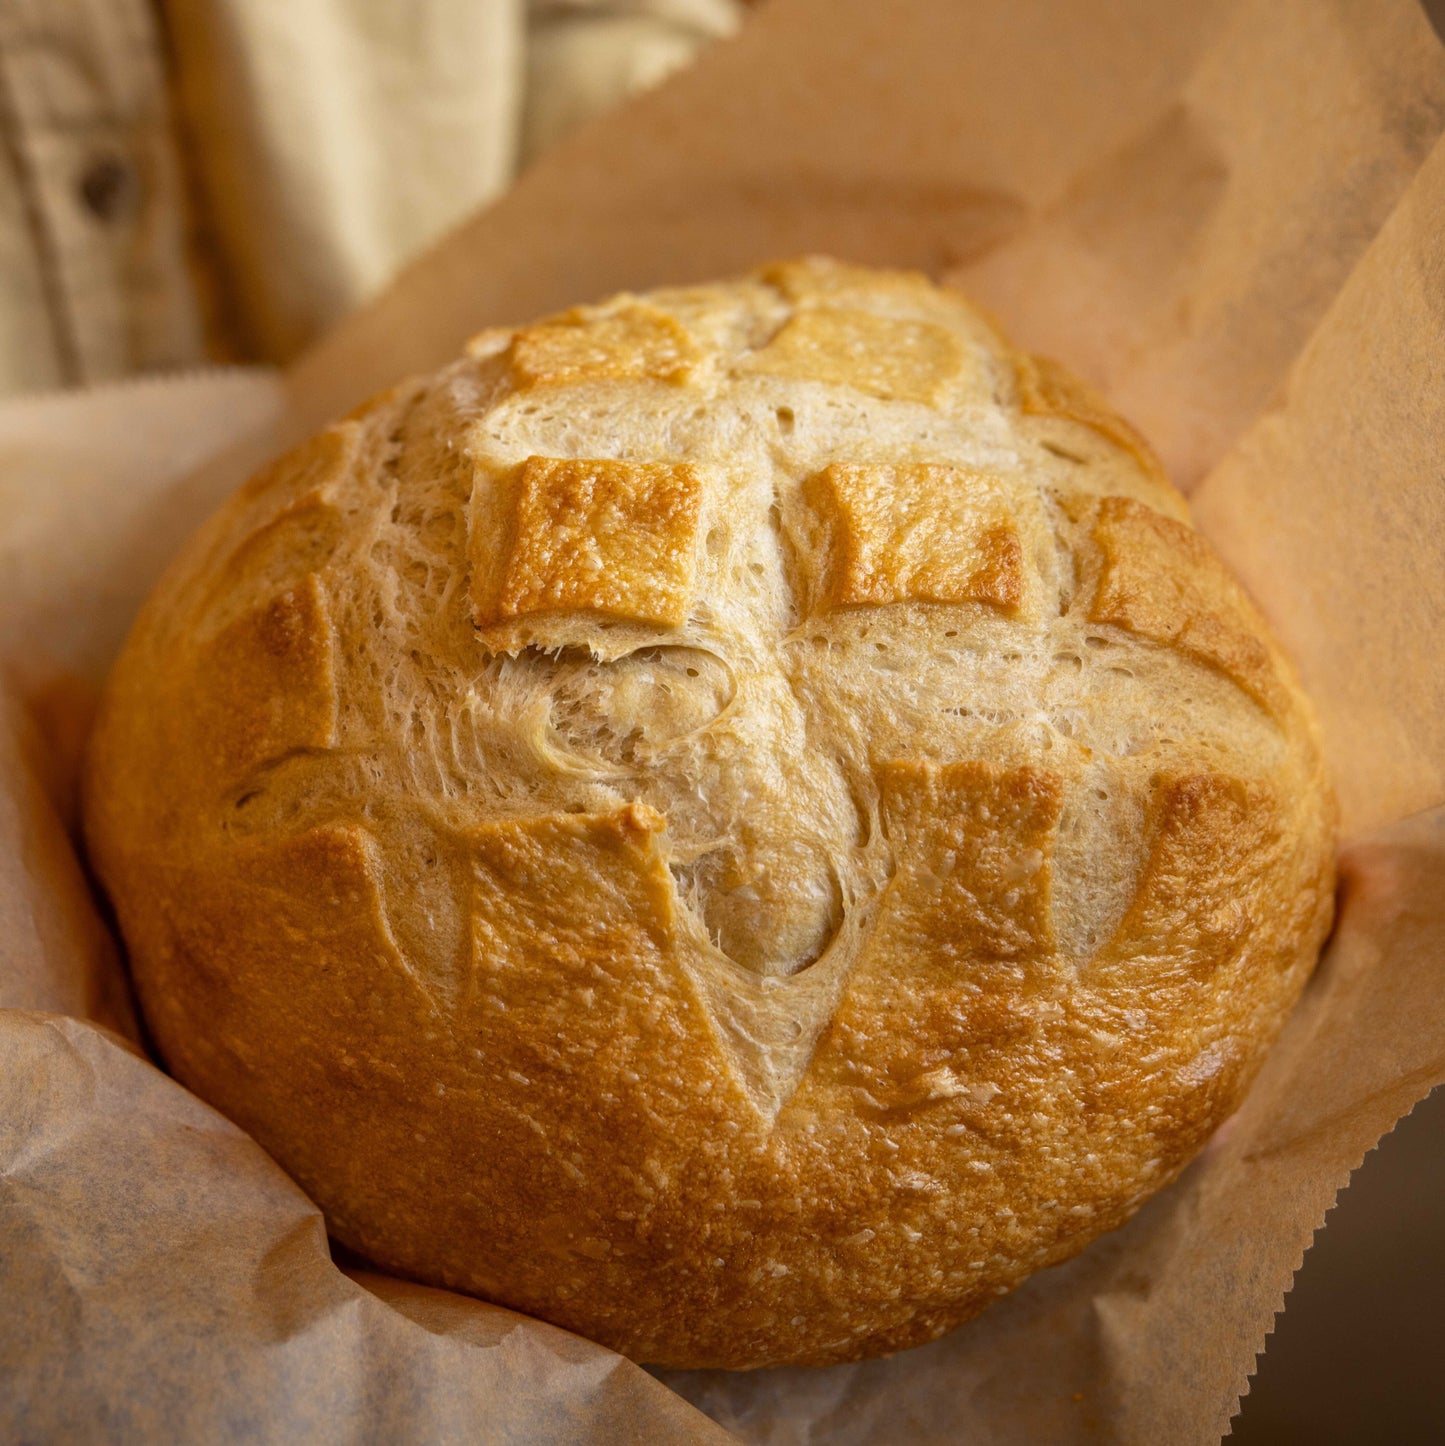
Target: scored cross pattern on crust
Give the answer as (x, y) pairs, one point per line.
(571, 541)
(747, 801)
(970, 898)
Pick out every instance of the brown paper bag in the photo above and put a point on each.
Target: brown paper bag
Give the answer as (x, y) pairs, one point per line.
(1233, 217)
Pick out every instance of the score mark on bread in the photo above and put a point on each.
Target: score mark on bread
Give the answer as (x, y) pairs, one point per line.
(1160, 581)
(595, 537)
(632, 342)
(897, 360)
(917, 532)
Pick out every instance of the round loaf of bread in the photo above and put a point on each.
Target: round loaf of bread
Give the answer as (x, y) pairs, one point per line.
(741, 821)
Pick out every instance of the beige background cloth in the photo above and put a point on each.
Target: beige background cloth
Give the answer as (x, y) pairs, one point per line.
(193, 180)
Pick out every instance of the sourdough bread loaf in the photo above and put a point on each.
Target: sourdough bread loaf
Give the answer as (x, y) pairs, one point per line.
(742, 821)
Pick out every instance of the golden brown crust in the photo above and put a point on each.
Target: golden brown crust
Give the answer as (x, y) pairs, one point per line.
(634, 342)
(1161, 580)
(916, 533)
(742, 821)
(886, 357)
(616, 539)
(1047, 389)
(812, 279)
(265, 684)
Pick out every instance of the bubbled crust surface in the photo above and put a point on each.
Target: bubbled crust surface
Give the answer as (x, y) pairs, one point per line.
(742, 821)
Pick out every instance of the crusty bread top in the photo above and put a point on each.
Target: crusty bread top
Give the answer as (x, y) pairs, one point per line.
(742, 820)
